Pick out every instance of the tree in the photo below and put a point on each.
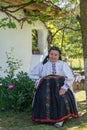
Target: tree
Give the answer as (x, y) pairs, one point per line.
(66, 34)
(31, 10)
(83, 21)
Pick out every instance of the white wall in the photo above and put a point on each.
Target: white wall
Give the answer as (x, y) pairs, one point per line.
(20, 42)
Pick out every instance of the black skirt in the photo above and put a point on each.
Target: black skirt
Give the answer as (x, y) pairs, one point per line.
(48, 105)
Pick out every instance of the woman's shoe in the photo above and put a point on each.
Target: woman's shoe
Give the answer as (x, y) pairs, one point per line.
(58, 124)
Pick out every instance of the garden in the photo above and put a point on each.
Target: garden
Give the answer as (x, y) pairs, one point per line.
(16, 93)
(22, 120)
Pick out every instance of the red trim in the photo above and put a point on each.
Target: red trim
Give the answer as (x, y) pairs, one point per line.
(50, 120)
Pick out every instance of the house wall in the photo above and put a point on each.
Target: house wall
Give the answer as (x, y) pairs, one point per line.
(19, 41)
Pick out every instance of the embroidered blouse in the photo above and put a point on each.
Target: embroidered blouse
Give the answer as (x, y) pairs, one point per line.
(61, 68)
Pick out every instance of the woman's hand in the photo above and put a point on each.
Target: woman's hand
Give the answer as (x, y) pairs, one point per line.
(62, 91)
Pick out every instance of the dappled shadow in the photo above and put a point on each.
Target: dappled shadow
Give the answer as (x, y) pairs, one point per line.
(69, 124)
(72, 123)
(80, 122)
(81, 105)
(23, 120)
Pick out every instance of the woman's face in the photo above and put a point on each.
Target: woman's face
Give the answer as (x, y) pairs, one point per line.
(53, 55)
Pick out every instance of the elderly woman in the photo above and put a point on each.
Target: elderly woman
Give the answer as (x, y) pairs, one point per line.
(54, 100)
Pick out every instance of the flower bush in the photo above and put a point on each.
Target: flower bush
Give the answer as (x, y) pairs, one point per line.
(16, 93)
(16, 90)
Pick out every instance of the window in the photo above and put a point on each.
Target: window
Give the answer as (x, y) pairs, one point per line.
(35, 48)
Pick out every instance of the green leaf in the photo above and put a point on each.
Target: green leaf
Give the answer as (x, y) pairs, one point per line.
(29, 21)
(48, 9)
(26, 1)
(1, 4)
(11, 25)
(4, 19)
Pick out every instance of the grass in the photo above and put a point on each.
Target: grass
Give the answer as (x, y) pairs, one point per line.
(22, 121)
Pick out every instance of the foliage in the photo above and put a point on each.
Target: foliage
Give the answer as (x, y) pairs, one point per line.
(4, 22)
(28, 16)
(12, 64)
(76, 64)
(16, 94)
(16, 90)
(35, 48)
(66, 34)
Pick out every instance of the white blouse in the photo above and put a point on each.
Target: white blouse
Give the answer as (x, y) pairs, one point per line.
(62, 69)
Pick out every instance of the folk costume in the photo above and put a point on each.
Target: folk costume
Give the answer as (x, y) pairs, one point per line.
(48, 105)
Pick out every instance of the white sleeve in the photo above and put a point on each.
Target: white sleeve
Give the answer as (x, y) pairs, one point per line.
(69, 76)
(35, 74)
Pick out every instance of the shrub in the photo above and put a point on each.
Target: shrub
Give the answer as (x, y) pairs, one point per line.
(16, 93)
(16, 90)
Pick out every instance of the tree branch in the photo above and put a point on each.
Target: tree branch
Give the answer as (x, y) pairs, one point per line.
(18, 6)
(65, 28)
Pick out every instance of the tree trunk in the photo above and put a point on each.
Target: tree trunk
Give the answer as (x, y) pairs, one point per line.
(83, 22)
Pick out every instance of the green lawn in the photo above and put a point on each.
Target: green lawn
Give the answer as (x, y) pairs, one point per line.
(22, 121)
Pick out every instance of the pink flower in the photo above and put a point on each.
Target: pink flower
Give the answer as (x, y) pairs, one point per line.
(10, 85)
